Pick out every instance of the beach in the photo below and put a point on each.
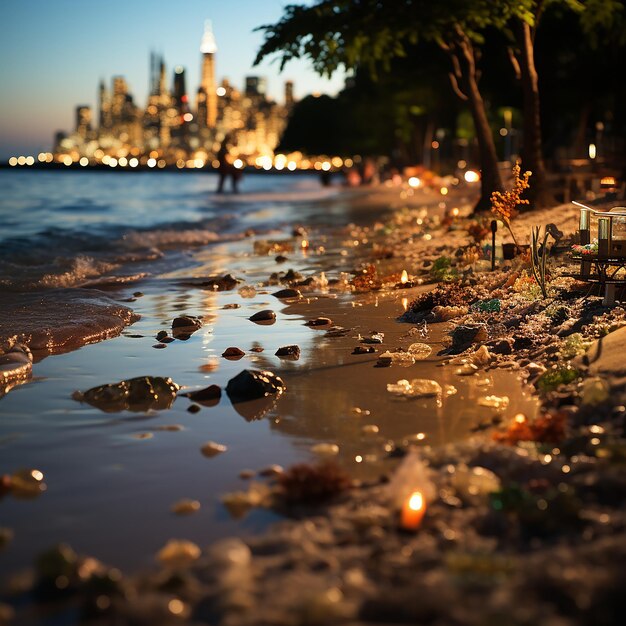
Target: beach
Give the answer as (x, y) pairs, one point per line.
(113, 475)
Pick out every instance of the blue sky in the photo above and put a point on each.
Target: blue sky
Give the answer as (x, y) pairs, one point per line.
(54, 52)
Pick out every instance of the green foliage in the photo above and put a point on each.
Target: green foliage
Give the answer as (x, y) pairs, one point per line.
(554, 378)
(442, 269)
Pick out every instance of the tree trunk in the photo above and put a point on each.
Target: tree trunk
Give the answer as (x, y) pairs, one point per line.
(465, 84)
(490, 173)
(539, 193)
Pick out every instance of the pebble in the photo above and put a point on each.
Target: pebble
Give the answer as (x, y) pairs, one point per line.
(167, 339)
(178, 554)
(325, 449)
(319, 321)
(370, 429)
(252, 384)
(365, 350)
(271, 470)
(185, 507)
(161, 335)
(159, 346)
(233, 353)
(374, 338)
(193, 408)
(232, 305)
(281, 258)
(210, 394)
(187, 321)
(289, 352)
(267, 316)
(288, 293)
(247, 291)
(143, 436)
(211, 449)
(171, 428)
(419, 351)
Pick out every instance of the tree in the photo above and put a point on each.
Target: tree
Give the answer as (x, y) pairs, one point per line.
(371, 33)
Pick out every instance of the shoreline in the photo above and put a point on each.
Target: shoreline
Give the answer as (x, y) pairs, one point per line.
(487, 536)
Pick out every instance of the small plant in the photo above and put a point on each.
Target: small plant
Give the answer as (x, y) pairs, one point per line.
(504, 204)
(539, 257)
(442, 269)
(554, 378)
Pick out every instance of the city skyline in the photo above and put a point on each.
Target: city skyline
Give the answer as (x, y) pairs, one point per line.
(53, 65)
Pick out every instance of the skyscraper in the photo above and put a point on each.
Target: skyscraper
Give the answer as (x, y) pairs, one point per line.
(83, 120)
(208, 48)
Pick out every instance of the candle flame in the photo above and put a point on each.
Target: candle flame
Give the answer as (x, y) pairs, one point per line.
(405, 303)
(607, 181)
(404, 279)
(304, 244)
(416, 501)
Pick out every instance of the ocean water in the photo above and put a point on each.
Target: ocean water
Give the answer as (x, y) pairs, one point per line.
(60, 229)
(83, 254)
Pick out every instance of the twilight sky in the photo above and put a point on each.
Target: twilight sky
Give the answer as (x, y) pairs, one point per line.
(54, 52)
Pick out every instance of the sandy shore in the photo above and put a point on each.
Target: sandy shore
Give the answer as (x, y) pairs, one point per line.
(524, 521)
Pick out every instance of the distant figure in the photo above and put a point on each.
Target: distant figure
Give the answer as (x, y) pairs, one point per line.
(227, 168)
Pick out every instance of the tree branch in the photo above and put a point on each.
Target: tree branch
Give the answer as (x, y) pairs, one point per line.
(455, 86)
(515, 63)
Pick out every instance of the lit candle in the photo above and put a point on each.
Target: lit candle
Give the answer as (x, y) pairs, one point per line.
(404, 278)
(413, 511)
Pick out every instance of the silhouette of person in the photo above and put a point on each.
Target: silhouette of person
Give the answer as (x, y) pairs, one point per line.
(226, 167)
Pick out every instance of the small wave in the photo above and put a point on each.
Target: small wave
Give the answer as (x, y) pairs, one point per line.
(61, 320)
(81, 268)
(169, 238)
(292, 196)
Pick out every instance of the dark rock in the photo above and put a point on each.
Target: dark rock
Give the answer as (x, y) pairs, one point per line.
(289, 352)
(159, 346)
(215, 283)
(500, 346)
(184, 326)
(233, 353)
(364, 350)
(521, 342)
(135, 394)
(253, 384)
(209, 396)
(187, 321)
(288, 293)
(193, 408)
(319, 321)
(281, 258)
(138, 294)
(337, 331)
(267, 317)
(161, 334)
(291, 275)
(167, 339)
(257, 349)
(463, 337)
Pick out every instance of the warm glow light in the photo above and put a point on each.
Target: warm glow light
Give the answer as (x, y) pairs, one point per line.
(199, 163)
(404, 279)
(67, 160)
(161, 163)
(41, 157)
(348, 162)
(444, 191)
(13, 161)
(592, 151)
(304, 244)
(30, 160)
(413, 511)
(455, 212)
(471, 176)
(462, 164)
(291, 166)
(238, 163)
(326, 166)
(435, 145)
(134, 162)
(188, 117)
(220, 91)
(123, 161)
(180, 164)
(607, 182)
(414, 182)
(337, 161)
(113, 162)
(151, 162)
(84, 161)
(405, 303)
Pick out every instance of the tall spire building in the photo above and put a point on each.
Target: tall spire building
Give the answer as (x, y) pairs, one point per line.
(208, 102)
